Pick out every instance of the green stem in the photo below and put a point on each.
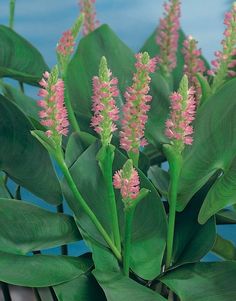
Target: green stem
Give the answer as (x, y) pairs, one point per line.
(64, 248)
(22, 87)
(106, 166)
(134, 157)
(175, 162)
(12, 13)
(85, 207)
(129, 215)
(71, 114)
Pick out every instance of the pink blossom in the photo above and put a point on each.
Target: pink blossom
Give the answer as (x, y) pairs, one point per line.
(66, 44)
(128, 183)
(168, 35)
(225, 60)
(88, 8)
(136, 107)
(104, 107)
(182, 114)
(193, 64)
(53, 114)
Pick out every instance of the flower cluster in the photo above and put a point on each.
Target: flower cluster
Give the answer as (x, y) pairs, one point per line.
(65, 46)
(193, 64)
(168, 35)
(127, 180)
(136, 107)
(225, 62)
(104, 108)
(88, 8)
(53, 114)
(183, 106)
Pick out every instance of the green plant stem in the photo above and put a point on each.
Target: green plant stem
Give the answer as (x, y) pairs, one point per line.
(106, 166)
(5, 291)
(22, 87)
(175, 162)
(71, 114)
(85, 207)
(64, 248)
(129, 216)
(12, 14)
(134, 157)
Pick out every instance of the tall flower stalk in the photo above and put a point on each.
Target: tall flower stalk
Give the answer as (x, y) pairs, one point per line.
(54, 117)
(103, 121)
(224, 62)
(64, 49)
(179, 130)
(87, 7)
(12, 13)
(193, 64)
(168, 36)
(127, 181)
(136, 107)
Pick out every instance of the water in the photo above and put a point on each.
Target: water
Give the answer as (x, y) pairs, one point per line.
(42, 22)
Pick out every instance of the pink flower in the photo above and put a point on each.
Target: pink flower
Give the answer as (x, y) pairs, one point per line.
(66, 44)
(168, 35)
(104, 107)
(183, 105)
(127, 180)
(53, 114)
(225, 61)
(193, 64)
(88, 8)
(136, 107)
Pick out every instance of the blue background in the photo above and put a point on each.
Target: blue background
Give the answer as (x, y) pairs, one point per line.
(42, 22)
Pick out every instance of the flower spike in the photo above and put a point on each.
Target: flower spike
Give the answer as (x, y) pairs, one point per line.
(104, 107)
(127, 180)
(87, 7)
(224, 62)
(136, 107)
(168, 36)
(193, 64)
(53, 114)
(183, 105)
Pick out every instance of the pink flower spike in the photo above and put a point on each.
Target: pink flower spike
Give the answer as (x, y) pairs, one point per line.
(178, 126)
(87, 7)
(193, 64)
(136, 106)
(168, 36)
(104, 108)
(53, 114)
(224, 62)
(127, 180)
(66, 44)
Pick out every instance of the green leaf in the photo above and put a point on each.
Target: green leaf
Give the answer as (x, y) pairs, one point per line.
(117, 287)
(205, 87)
(83, 288)
(27, 104)
(212, 152)
(39, 270)
(85, 63)
(149, 228)
(19, 59)
(224, 248)
(226, 216)
(23, 158)
(3, 190)
(190, 243)
(203, 281)
(160, 178)
(25, 227)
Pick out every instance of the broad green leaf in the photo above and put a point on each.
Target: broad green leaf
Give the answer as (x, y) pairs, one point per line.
(22, 157)
(19, 59)
(85, 63)
(224, 248)
(39, 270)
(212, 152)
(190, 243)
(25, 227)
(4, 193)
(226, 216)
(160, 178)
(27, 104)
(83, 288)
(213, 281)
(117, 287)
(149, 229)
